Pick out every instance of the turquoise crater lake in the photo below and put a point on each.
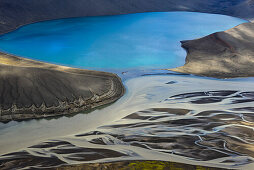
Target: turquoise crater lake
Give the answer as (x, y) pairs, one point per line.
(147, 40)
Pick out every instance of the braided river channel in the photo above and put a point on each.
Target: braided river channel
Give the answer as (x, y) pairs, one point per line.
(162, 116)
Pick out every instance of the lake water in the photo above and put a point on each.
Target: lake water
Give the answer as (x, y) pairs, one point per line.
(150, 40)
(170, 117)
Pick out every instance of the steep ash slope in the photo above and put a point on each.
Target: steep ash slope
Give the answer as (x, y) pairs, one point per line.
(31, 89)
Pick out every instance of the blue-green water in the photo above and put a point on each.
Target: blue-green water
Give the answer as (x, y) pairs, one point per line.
(114, 42)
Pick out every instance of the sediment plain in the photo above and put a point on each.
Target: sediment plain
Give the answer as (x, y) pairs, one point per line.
(176, 118)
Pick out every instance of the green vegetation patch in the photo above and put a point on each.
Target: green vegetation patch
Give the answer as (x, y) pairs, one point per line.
(160, 165)
(136, 165)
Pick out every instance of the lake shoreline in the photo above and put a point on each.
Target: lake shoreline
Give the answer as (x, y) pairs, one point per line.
(49, 77)
(7, 112)
(197, 59)
(113, 95)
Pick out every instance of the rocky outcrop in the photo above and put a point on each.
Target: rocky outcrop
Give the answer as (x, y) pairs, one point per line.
(31, 89)
(225, 54)
(15, 13)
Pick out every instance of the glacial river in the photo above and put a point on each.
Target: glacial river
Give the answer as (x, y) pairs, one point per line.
(162, 116)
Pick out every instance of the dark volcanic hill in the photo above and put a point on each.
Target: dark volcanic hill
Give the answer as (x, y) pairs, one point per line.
(32, 89)
(14, 13)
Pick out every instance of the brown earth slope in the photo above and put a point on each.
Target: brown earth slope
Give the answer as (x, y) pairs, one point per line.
(225, 54)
